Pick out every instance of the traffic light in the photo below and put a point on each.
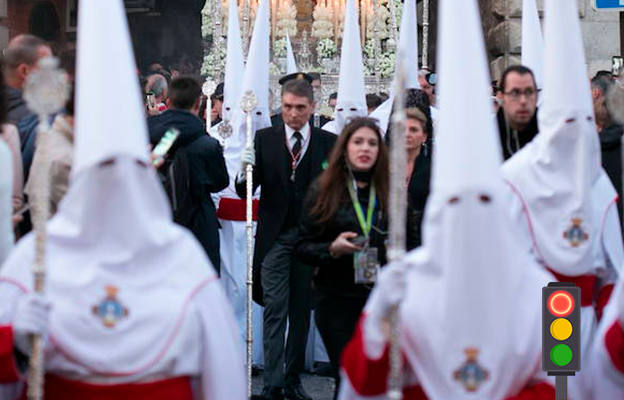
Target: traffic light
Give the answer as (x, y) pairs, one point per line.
(561, 328)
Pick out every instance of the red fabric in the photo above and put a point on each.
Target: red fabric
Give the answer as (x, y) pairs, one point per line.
(587, 283)
(8, 367)
(57, 388)
(541, 391)
(603, 299)
(368, 377)
(236, 209)
(614, 343)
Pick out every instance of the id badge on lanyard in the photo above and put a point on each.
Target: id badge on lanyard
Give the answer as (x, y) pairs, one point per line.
(366, 265)
(365, 261)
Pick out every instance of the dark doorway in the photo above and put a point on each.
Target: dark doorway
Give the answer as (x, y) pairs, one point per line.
(44, 21)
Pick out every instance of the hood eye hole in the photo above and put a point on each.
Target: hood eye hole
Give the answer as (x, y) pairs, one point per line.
(453, 200)
(570, 120)
(258, 112)
(484, 198)
(227, 108)
(353, 109)
(141, 163)
(590, 118)
(107, 163)
(340, 109)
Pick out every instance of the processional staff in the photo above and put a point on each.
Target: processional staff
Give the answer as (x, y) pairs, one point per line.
(46, 92)
(248, 104)
(397, 216)
(208, 89)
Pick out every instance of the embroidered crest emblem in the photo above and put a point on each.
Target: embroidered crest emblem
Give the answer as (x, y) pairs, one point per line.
(110, 310)
(471, 374)
(576, 234)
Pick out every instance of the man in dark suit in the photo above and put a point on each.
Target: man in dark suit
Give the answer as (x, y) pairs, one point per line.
(286, 159)
(206, 165)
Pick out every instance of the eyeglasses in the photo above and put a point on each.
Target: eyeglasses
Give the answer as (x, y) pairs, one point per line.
(516, 94)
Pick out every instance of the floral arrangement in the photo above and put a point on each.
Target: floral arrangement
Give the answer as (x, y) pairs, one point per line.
(386, 64)
(369, 49)
(322, 27)
(274, 70)
(286, 20)
(279, 48)
(326, 48)
(213, 62)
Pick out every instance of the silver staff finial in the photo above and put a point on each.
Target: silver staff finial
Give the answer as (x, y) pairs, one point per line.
(249, 101)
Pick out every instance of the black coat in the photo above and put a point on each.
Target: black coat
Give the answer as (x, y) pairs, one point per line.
(335, 276)
(418, 189)
(17, 109)
(208, 172)
(277, 120)
(508, 137)
(272, 173)
(610, 141)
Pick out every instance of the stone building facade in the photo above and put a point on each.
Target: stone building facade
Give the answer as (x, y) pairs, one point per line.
(503, 29)
(154, 32)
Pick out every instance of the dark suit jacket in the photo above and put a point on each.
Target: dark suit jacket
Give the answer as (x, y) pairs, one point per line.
(271, 173)
(207, 166)
(277, 120)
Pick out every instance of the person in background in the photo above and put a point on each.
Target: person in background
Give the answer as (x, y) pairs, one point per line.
(207, 172)
(331, 101)
(610, 134)
(286, 159)
(427, 81)
(156, 89)
(517, 115)
(372, 102)
(153, 320)
(216, 101)
(418, 162)
(354, 184)
(20, 58)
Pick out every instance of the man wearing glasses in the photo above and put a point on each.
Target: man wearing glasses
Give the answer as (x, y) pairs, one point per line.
(517, 116)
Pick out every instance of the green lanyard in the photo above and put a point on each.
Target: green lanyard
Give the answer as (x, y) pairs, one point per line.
(365, 225)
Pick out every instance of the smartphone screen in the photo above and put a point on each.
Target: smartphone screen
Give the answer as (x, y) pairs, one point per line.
(150, 99)
(165, 143)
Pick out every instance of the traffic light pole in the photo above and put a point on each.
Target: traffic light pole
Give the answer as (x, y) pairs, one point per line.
(561, 387)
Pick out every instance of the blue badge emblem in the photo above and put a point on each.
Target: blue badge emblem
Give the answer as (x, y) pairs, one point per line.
(471, 374)
(110, 310)
(575, 234)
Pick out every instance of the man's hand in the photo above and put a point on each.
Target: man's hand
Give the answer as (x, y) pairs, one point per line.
(31, 317)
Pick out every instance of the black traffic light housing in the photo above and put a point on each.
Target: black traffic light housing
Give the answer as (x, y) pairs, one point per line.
(561, 329)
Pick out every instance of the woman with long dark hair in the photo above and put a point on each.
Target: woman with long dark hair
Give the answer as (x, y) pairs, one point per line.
(343, 231)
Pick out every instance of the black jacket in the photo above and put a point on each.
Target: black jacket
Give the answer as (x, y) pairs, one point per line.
(335, 276)
(208, 172)
(272, 173)
(16, 106)
(512, 141)
(277, 120)
(610, 141)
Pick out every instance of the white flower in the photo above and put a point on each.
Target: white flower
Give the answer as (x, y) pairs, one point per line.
(326, 48)
(279, 48)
